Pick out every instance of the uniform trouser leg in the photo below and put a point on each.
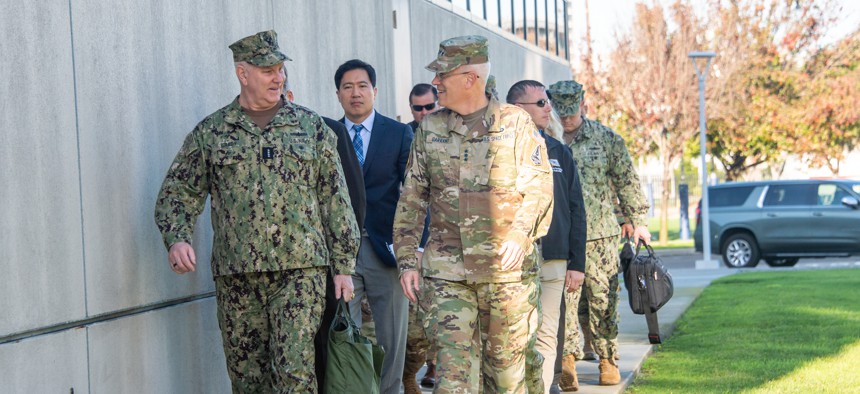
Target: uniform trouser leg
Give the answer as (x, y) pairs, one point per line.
(390, 308)
(509, 317)
(482, 334)
(321, 339)
(551, 294)
(268, 321)
(416, 345)
(424, 311)
(419, 344)
(453, 318)
(535, 360)
(585, 329)
(601, 291)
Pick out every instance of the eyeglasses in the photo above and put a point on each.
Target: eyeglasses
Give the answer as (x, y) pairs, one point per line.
(540, 103)
(447, 75)
(427, 107)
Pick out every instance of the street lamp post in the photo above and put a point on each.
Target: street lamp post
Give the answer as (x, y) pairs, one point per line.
(705, 262)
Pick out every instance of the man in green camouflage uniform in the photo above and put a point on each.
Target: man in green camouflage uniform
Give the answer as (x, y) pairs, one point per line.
(482, 168)
(606, 172)
(280, 213)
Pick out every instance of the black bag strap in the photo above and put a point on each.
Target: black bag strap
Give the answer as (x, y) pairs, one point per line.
(650, 316)
(626, 256)
(639, 244)
(342, 318)
(653, 327)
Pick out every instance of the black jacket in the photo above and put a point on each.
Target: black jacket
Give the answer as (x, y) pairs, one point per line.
(351, 169)
(566, 237)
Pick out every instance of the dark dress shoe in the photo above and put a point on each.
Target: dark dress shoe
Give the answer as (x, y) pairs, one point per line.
(429, 379)
(428, 382)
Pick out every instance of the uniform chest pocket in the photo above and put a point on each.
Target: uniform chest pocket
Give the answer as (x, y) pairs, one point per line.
(500, 167)
(593, 159)
(229, 155)
(299, 162)
(230, 163)
(301, 151)
(444, 160)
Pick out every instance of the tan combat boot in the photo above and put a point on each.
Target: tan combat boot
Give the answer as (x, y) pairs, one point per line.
(568, 381)
(609, 374)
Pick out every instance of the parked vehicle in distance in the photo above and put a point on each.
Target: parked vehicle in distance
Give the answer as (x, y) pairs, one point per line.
(782, 221)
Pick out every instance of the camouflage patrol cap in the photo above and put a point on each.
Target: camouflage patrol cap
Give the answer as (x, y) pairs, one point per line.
(261, 49)
(460, 51)
(566, 97)
(490, 90)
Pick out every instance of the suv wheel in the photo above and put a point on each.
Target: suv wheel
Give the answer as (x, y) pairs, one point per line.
(781, 262)
(740, 251)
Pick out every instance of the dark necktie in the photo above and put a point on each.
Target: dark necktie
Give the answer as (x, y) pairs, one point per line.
(358, 143)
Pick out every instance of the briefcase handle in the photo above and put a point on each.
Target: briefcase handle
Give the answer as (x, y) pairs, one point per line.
(639, 244)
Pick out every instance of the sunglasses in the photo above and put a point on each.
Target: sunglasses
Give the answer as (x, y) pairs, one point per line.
(428, 107)
(540, 103)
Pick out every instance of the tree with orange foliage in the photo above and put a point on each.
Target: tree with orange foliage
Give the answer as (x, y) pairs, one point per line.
(649, 88)
(758, 104)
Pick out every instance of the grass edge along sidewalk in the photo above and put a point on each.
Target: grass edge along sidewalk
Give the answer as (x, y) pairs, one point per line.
(764, 332)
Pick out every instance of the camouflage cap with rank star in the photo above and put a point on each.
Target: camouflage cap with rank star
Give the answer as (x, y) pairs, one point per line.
(460, 51)
(261, 50)
(566, 97)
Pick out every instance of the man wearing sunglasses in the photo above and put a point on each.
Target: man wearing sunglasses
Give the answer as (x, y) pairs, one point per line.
(422, 101)
(482, 168)
(563, 248)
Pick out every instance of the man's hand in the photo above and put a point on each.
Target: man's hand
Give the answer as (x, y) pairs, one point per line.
(343, 287)
(573, 280)
(512, 255)
(409, 282)
(642, 233)
(627, 230)
(182, 258)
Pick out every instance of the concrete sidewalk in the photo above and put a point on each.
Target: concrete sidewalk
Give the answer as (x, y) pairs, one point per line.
(633, 331)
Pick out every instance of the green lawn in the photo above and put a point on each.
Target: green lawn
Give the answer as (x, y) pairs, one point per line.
(764, 332)
(674, 234)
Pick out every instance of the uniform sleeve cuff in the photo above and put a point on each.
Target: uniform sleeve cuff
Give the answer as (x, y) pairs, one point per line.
(524, 241)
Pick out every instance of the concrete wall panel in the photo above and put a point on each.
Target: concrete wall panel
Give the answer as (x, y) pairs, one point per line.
(147, 73)
(171, 350)
(320, 35)
(54, 363)
(42, 281)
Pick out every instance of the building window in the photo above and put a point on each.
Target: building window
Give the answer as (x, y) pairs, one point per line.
(542, 23)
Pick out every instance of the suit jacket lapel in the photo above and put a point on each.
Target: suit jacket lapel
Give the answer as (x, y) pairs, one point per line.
(377, 139)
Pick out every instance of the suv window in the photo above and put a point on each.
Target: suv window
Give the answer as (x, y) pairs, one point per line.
(729, 196)
(830, 194)
(788, 195)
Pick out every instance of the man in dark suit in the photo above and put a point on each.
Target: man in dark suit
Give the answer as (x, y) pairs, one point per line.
(355, 184)
(382, 147)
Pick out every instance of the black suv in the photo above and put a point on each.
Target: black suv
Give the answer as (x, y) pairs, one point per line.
(782, 221)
